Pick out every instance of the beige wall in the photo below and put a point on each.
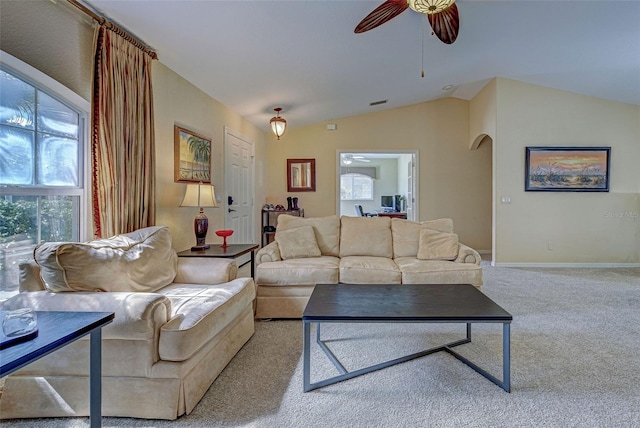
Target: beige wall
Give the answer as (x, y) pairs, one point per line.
(482, 132)
(54, 38)
(58, 40)
(176, 101)
(581, 227)
(453, 182)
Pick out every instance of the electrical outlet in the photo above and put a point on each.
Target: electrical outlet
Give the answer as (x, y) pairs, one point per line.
(549, 245)
(505, 200)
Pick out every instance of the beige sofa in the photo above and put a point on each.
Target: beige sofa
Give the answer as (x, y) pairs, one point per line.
(356, 250)
(178, 322)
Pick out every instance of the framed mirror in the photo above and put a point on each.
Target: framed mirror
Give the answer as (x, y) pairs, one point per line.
(301, 175)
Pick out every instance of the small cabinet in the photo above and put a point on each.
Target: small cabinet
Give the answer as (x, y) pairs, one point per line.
(270, 220)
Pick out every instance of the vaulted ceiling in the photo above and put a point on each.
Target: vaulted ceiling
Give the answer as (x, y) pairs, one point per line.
(303, 55)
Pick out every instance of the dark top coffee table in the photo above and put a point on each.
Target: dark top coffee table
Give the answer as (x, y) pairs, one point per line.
(58, 329)
(437, 303)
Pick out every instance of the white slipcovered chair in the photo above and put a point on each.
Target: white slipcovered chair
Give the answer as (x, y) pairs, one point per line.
(178, 322)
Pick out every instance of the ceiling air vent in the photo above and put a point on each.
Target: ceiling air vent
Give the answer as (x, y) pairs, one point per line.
(375, 103)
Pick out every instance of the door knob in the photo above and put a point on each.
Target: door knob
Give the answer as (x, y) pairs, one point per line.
(230, 210)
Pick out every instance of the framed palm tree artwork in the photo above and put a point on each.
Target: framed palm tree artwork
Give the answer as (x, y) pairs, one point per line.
(192, 156)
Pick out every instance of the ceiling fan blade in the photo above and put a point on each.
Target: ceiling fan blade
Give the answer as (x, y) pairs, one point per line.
(445, 25)
(383, 13)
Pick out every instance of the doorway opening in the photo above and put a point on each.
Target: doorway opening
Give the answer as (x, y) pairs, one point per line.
(381, 182)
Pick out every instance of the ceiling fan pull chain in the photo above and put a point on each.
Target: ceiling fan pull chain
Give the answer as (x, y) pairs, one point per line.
(422, 37)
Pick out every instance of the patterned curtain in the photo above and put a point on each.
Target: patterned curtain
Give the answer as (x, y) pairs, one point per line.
(122, 152)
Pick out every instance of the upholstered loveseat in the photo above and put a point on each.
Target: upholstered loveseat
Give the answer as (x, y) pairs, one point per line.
(178, 322)
(356, 250)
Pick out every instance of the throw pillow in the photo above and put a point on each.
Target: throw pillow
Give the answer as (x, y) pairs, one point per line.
(296, 243)
(406, 234)
(327, 230)
(436, 245)
(142, 261)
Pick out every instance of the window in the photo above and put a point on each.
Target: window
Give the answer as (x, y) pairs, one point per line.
(356, 187)
(42, 140)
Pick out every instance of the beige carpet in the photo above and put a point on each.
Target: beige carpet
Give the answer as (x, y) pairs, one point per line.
(575, 363)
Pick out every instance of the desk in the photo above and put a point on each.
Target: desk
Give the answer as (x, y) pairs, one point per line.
(393, 215)
(232, 251)
(55, 330)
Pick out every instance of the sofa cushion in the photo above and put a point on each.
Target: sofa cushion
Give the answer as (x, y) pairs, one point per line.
(326, 229)
(369, 270)
(434, 245)
(138, 261)
(308, 271)
(406, 234)
(297, 243)
(366, 236)
(416, 271)
(199, 312)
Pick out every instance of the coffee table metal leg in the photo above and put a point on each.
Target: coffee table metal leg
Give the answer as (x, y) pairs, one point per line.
(506, 356)
(306, 359)
(95, 378)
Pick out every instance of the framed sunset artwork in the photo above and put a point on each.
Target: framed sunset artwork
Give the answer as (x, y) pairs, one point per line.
(567, 169)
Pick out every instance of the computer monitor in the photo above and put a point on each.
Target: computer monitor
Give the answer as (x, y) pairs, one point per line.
(388, 203)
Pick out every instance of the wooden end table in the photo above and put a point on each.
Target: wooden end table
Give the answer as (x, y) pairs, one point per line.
(231, 251)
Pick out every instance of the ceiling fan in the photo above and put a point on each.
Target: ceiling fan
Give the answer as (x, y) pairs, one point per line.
(442, 14)
(348, 159)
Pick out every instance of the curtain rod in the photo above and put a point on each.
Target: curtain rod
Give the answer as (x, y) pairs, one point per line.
(116, 29)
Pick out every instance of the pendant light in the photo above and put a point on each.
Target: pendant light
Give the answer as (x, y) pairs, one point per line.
(278, 124)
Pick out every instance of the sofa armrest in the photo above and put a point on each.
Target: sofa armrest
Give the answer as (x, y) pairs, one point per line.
(205, 270)
(269, 253)
(467, 255)
(30, 279)
(138, 316)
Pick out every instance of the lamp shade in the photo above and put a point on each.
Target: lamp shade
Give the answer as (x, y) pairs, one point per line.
(199, 195)
(278, 124)
(430, 7)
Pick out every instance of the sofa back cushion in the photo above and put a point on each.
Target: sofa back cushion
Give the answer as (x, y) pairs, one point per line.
(142, 260)
(366, 236)
(326, 229)
(406, 234)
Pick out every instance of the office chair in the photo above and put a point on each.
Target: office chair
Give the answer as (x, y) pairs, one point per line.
(361, 212)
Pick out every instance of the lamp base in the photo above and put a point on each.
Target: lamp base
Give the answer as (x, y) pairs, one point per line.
(200, 247)
(200, 227)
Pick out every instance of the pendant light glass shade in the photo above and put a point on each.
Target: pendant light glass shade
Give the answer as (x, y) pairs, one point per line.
(278, 124)
(430, 7)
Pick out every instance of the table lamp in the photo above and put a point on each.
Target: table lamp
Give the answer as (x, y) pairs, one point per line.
(200, 195)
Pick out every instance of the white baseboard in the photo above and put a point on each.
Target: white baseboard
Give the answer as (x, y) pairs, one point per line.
(568, 265)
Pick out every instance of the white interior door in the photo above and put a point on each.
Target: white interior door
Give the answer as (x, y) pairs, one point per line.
(239, 190)
(410, 190)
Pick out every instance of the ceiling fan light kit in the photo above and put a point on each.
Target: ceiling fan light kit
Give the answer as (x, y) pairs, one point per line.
(348, 159)
(442, 14)
(278, 124)
(430, 7)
